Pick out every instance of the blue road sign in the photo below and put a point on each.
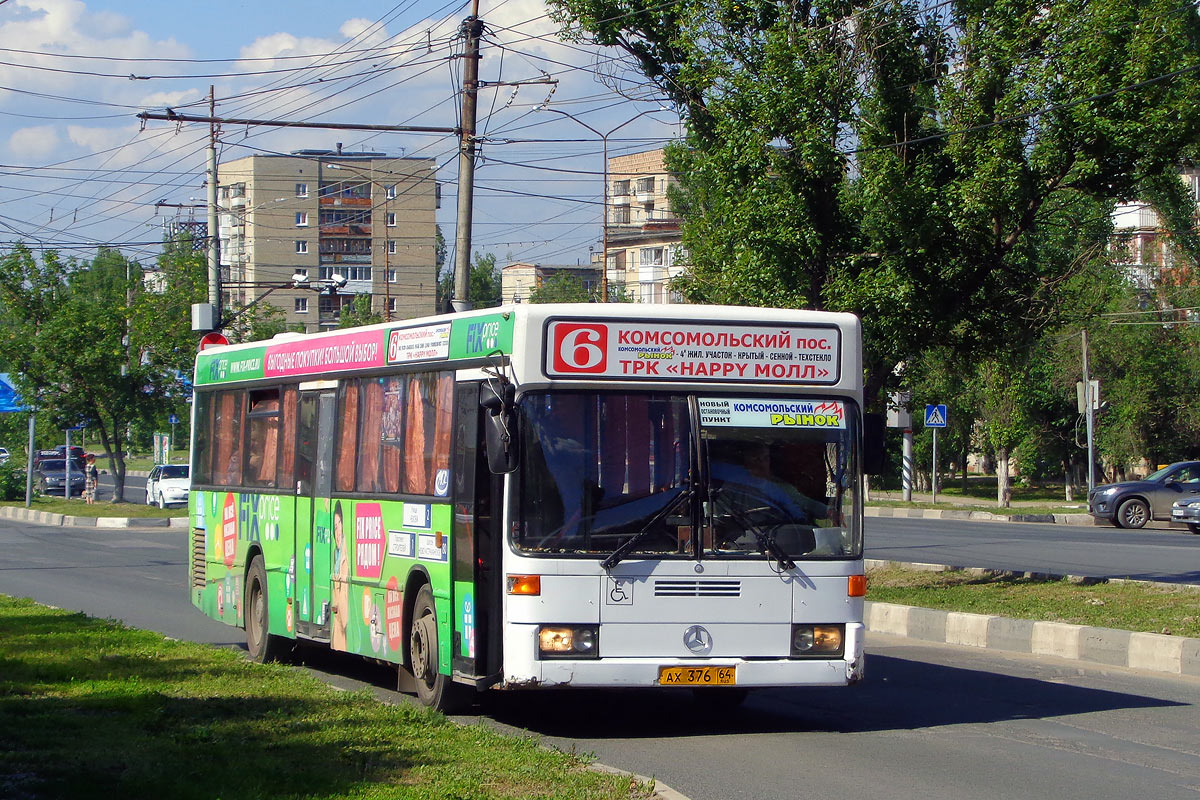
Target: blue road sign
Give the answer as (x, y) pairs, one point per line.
(173, 419)
(9, 400)
(936, 416)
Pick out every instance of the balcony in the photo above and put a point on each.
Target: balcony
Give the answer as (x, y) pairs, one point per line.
(356, 229)
(346, 202)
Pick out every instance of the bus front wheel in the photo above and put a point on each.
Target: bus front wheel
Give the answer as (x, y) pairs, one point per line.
(434, 689)
(263, 646)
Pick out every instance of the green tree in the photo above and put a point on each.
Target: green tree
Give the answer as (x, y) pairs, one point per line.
(86, 345)
(561, 287)
(260, 321)
(359, 313)
(897, 159)
(483, 285)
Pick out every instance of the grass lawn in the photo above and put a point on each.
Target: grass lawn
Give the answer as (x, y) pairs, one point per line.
(1128, 606)
(91, 709)
(983, 489)
(1074, 508)
(78, 508)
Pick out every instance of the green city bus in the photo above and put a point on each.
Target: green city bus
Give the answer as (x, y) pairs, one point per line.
(536, 496)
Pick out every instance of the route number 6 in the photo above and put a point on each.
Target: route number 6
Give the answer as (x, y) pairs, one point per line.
(580, 348)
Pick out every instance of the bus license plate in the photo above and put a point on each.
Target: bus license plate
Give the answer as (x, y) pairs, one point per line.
(697, 676)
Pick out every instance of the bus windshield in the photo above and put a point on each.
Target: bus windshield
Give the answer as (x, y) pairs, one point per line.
(694, 477)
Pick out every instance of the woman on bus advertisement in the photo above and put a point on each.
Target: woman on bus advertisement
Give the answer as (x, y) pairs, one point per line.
(341, 580)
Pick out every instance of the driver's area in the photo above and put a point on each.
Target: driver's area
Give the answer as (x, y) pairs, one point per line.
(783, 492)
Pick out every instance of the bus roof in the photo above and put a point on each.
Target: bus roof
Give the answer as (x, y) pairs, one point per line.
(571, 340)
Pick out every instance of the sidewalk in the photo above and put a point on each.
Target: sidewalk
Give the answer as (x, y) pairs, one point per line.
(958, 500)
(67, 520)
(973, 509)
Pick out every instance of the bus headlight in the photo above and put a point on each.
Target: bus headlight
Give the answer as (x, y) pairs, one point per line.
(569, 641)
(818, 641)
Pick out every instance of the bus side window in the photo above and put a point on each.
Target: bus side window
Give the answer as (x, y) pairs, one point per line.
(262, 446)
(285, 477)
(227, 437)
(370, 436)
(391, 430)
(347, 442)
(202, 457)
(428, 420)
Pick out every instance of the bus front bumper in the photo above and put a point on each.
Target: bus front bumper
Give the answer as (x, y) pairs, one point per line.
(645, 671)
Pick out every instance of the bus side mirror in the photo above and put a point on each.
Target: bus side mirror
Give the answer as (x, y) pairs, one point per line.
(499, 426)
(874, 430)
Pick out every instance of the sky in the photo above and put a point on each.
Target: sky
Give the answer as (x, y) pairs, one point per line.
(79, 170)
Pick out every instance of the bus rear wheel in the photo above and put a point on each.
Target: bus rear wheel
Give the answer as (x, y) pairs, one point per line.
(263, 646)
(434, 689)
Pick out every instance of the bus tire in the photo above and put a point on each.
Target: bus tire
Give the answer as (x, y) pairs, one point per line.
(263, 645)
(434, 689)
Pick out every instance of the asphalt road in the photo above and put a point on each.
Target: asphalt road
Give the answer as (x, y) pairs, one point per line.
(135, 488)
(1158, 553)
(929, 722)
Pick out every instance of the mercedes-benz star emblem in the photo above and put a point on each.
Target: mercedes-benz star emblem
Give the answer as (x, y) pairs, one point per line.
(698, 640)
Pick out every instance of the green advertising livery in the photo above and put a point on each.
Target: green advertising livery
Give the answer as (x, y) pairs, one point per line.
(542, 496)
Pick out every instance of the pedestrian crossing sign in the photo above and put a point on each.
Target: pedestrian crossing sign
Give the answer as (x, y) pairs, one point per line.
(936, 416)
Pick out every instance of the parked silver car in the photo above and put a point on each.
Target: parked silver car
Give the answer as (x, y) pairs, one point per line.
(1187, 512)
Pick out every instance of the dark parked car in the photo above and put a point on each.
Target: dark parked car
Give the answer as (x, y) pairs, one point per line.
(50, 476)
(1131, 504)
(41, 455)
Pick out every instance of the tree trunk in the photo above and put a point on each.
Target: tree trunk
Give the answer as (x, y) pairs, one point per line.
(1003, 484)
(115, 446)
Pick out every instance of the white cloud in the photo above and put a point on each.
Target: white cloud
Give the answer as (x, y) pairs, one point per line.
(34, 144)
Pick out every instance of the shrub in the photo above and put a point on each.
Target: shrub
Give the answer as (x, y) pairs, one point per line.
(12, 482)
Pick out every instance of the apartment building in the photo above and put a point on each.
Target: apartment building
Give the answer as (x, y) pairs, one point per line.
(328, 215)
(1142, 242)
(520, 279)
(642, 238)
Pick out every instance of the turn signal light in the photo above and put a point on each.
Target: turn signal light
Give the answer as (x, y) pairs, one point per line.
(857, 586)
(525, 584)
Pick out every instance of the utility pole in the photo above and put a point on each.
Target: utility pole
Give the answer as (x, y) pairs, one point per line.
(472, 29)
(214, 257)
(1088, 415)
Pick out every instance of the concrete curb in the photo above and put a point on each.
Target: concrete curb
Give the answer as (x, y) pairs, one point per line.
(1173, 655)
(1156, 652)
(661, 790)
(67, 520)
(978, 516)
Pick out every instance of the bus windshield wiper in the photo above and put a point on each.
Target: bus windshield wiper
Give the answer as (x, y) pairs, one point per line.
(766, 541)
(769, 547)
(615, 557)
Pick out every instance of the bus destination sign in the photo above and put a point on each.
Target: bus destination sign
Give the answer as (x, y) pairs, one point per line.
(685, 351)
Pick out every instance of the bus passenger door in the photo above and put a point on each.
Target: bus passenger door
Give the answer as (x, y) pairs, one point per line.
(314, 530)
(477, 497)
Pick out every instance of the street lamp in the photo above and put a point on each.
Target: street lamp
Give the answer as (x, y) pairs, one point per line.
(604, 210)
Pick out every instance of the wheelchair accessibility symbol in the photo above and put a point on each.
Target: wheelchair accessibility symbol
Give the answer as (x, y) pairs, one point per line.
(620, 592)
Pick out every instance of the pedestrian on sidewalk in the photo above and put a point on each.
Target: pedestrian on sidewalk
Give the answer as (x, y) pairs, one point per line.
(91, 482)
